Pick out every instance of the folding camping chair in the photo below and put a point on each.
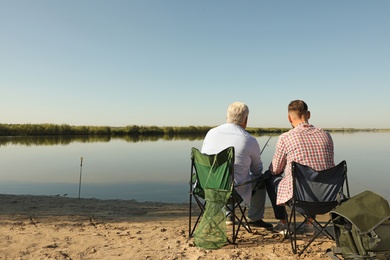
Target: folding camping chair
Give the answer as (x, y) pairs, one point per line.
(315, 193)
(216, 172)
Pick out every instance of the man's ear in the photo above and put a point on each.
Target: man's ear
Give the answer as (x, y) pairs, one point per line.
(244, 124)
(308, 114)
(289, 118)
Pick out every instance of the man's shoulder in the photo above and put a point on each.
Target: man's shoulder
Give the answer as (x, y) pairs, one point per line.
(219, 127)
(292, 134)
(228, 128)
(288, 133)
(305, 132)
(231, 131)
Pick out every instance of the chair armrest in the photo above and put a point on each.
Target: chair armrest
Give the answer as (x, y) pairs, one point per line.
(262, 178)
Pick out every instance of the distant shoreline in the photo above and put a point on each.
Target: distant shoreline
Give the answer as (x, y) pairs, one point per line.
(135, 130)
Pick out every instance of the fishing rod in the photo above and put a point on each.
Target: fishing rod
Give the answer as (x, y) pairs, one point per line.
(267, 142)
(81, 168)
(261, 152)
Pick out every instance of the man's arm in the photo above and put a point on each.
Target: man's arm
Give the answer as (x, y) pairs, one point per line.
(256, 167)
(279, 159)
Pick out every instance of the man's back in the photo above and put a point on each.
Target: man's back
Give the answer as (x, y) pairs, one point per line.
(306, 145)
(247, 152)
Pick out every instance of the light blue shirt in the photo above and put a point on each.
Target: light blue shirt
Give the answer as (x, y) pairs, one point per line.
(248, 164)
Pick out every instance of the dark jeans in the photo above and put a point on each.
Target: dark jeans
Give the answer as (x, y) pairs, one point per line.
(272, 189)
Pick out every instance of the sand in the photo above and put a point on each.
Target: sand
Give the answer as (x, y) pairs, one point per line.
(57, 227)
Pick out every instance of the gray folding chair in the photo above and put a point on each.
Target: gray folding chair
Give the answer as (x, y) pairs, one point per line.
(315, 193)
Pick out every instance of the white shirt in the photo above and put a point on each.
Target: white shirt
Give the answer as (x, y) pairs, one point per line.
(247, 163)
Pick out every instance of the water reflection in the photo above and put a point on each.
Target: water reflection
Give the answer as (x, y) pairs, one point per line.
(50, 140)
(152, 168)
(65, 140)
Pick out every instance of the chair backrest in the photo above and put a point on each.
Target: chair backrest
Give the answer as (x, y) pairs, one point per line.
(213, 171)
(313, 187)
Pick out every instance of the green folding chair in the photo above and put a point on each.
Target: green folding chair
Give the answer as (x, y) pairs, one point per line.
(212, 189)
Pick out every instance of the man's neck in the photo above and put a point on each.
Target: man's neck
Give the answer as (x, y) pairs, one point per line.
(296, 123)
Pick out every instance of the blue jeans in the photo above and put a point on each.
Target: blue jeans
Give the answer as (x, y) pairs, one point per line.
(272, 190)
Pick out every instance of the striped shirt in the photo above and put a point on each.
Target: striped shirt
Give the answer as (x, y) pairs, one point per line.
(306, 145)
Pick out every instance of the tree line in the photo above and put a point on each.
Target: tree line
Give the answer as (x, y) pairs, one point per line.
(64, 129)
(130, 130)
(133, 130)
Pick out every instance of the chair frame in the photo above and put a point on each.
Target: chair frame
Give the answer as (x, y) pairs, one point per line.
(327, 206)
(234, 200)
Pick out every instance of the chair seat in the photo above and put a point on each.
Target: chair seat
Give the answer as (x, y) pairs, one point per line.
(315, 208)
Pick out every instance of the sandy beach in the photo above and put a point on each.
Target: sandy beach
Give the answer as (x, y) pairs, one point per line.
(58, 227)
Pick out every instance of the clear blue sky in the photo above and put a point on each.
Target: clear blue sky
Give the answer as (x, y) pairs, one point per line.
(180, 63)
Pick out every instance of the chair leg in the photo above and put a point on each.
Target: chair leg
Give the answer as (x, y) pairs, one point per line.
(320, 229)
(189, 217)
(242, 221)
(309, 243)
(201, 208)
(234, 226)
(292, 230)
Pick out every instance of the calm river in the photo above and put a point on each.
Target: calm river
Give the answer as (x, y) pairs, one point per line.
(154, 170)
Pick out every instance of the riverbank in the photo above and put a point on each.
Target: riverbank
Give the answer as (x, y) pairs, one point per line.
(55, 227)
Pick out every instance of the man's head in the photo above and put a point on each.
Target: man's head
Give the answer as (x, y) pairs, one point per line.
(237, 113)
(298, 112)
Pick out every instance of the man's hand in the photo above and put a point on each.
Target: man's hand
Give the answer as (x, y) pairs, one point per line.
(267, 175)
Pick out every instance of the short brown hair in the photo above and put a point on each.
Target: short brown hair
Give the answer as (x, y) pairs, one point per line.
(298, 106)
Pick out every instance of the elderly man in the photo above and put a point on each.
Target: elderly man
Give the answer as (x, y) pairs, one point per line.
(247, 165)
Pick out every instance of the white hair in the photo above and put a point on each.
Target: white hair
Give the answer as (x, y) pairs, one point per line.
(237, 113)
